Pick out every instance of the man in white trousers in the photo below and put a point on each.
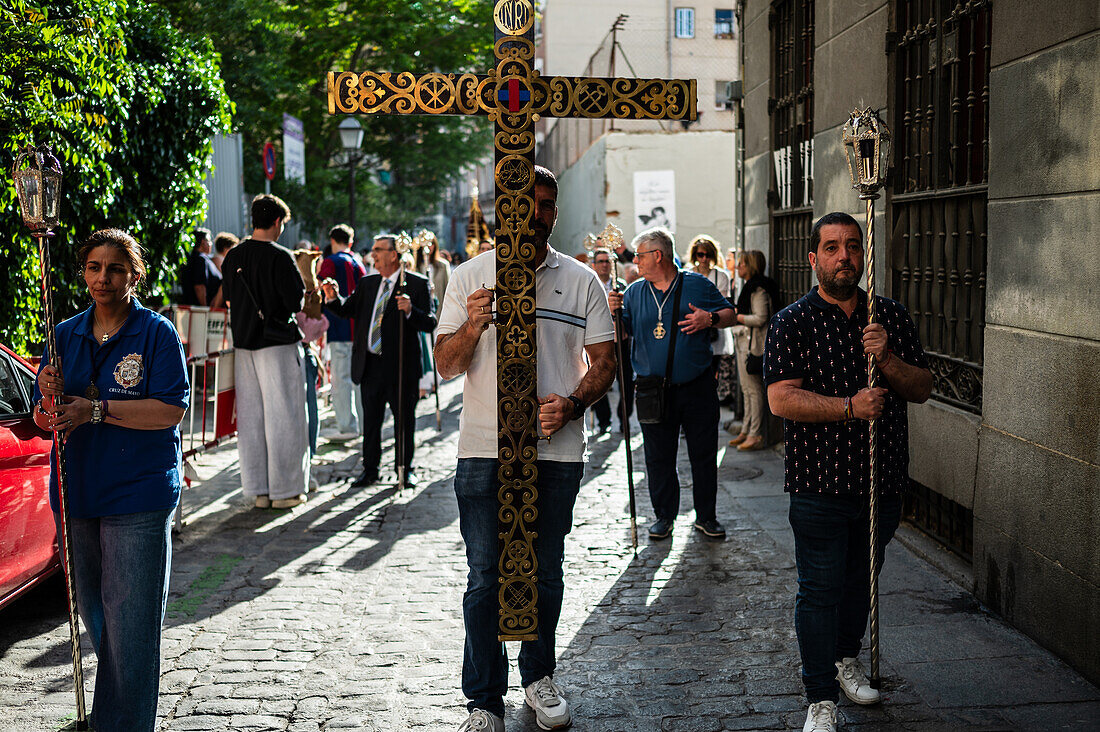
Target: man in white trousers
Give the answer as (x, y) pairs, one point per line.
(264, 290)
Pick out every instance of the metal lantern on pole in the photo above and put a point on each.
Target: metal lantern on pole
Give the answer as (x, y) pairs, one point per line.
(351, 139)
(37, 175)
(612, 238)
(867, 142)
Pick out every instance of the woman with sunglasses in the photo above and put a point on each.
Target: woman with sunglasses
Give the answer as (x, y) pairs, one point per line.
(703, 256)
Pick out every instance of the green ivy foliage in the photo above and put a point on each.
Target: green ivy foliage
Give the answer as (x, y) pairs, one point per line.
(129, 105)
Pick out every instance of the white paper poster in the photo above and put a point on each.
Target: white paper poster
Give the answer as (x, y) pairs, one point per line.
(294, 149)
(654, 199)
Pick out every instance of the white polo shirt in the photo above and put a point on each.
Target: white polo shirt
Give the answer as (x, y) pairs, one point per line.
(571, 313)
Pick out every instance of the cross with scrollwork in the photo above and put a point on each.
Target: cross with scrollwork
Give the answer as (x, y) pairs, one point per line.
(514, 96)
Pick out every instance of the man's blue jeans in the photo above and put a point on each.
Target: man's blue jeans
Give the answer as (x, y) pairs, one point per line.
(832, 552)
(121, 566)
(484, 662)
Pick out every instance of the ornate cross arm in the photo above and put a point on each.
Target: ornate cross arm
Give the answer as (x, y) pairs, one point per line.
(372, 92)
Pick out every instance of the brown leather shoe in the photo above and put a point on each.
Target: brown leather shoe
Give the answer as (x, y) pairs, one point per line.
(739, 439)
(752, 443)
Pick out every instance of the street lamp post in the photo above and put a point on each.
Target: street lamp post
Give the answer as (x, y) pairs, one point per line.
(351, 138)
(37, 175)
(867, 149)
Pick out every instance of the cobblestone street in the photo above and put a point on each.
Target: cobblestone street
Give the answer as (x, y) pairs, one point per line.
(345, 614)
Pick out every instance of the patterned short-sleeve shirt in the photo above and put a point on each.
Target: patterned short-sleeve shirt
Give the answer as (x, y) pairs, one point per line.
(817, 342)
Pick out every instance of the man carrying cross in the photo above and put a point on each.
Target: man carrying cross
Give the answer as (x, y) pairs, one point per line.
(573, 321)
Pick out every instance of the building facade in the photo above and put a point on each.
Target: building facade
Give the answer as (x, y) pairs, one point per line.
(988, 235)
(632, 172)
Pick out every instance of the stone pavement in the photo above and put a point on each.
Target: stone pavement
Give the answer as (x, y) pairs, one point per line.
(344, 614)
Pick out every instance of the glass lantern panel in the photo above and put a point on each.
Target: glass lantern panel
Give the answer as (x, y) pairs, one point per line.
(31, 197)
(52, 197)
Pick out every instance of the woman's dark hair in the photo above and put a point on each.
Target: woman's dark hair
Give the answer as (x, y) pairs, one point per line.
(706, 244)
(120, 240)
(836, 217)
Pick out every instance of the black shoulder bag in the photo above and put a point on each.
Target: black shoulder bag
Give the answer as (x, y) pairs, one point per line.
(651, 392)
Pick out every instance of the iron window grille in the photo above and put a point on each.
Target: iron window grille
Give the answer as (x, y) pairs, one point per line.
(938, 206)
(941, 518)
(792, 116)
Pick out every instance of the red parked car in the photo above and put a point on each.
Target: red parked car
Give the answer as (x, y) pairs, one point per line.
(28, 540)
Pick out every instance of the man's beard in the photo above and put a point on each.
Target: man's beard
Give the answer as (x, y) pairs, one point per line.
(836, 289)
(542, 236)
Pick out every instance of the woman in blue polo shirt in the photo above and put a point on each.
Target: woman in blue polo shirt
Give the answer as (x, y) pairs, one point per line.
(119, 404)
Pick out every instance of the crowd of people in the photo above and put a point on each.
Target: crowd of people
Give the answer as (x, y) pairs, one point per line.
(693, 336)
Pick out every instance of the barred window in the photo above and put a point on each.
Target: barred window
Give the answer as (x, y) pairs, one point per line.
(685, 22)
(792, 115)
(938, 206)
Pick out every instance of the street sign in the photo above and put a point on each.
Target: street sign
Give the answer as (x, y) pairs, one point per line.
(294, 149)
(269, 160)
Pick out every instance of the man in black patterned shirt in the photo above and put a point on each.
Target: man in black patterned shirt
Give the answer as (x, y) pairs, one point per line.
(815, 369)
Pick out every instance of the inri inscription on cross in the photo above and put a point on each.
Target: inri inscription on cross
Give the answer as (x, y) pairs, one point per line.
(514, 96)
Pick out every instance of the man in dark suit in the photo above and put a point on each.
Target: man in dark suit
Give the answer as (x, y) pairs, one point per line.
(377, 305)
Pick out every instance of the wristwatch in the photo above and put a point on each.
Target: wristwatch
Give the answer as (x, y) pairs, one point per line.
(97, 411)
(578, 407)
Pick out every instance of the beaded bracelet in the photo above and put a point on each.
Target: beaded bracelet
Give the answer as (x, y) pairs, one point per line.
(848, 412)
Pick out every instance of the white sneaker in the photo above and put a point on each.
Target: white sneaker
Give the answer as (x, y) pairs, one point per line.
(854, 683)
(551, 709)
(821, 717)
(482, 721)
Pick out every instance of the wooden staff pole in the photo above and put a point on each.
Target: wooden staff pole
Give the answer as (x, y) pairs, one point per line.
(62, 485)
(872, 382)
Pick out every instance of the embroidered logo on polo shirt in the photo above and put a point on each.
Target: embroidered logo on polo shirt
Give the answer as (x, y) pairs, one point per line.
(128, 371)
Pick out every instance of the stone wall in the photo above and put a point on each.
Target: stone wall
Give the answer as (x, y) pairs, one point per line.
(1037, 492)
(1029, 466)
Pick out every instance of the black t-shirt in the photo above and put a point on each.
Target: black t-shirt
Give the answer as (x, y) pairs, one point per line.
(815, 341)
(263, 275)
(199, 270)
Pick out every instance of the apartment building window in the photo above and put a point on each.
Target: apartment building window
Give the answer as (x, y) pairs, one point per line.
(938, 204)
(685, 22)
(723, 24)
(791, 107)
(726, 94)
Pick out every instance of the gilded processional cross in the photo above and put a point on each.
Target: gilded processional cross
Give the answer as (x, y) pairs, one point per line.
(514, 96)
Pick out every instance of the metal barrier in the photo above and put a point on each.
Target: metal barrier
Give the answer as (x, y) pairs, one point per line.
(212, 409)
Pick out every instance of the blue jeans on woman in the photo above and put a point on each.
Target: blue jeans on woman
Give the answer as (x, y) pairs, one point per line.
(484, 661)
(833, 555)
(121, 567)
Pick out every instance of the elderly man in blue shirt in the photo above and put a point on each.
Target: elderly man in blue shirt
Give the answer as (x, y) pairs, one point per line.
(665, 298)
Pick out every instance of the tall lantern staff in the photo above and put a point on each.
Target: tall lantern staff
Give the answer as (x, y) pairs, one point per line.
(404, 244)
(423, 241)
(612, 238)
(867, 148)
(37, 175)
